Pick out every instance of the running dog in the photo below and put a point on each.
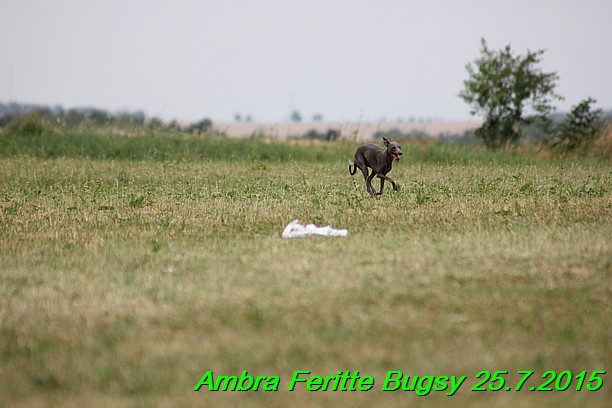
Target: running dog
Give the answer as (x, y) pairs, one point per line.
(379, 160)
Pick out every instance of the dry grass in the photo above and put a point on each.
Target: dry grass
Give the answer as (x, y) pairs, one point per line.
(122, 282)
(603, 144)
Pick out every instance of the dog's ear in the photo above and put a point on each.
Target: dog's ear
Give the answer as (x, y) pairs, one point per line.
(386, 141)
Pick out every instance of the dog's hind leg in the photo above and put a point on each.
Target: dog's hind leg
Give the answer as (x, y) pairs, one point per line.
(369, 185)
(364, 170)
(382, 185)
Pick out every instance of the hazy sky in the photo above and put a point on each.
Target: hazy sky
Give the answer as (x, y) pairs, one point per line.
(345, 59)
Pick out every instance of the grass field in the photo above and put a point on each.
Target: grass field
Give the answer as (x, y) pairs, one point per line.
(131, 266)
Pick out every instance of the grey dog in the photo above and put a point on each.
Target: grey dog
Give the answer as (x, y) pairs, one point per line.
(379, 160)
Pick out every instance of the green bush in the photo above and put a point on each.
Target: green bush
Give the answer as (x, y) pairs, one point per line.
(580, 128)
(30, 125)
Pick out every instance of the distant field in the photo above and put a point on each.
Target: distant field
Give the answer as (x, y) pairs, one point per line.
(359, 131)
(131, 266)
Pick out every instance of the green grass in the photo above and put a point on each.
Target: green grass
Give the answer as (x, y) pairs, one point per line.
(129, 269)
(50, 143)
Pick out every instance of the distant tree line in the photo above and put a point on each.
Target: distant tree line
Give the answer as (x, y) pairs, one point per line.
(95, 118)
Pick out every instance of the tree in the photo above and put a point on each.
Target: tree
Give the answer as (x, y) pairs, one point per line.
(155, 124)
(99, 117)
(201, 126)
(580, 127)
(74, 118)
(510, 91)
(296, 117)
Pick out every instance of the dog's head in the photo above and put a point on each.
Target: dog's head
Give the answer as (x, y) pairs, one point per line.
(394, 149)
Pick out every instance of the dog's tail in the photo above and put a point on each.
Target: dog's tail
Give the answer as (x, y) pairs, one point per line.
(352, 172)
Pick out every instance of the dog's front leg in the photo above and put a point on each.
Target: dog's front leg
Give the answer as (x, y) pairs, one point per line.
(389, 179)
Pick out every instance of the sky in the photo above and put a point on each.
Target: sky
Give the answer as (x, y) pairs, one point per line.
(347, 60)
